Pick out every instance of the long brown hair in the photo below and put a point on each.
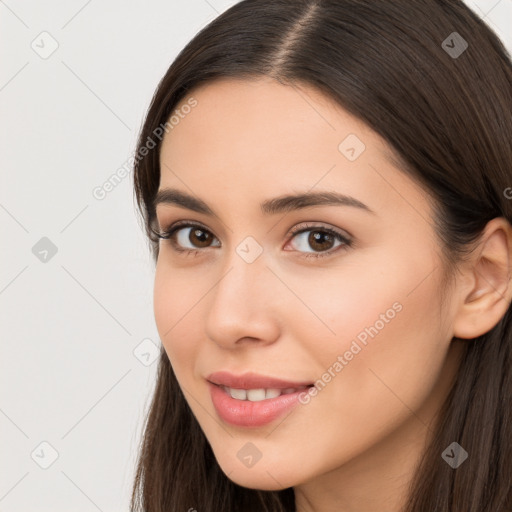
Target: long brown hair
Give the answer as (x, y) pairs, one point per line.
(443, 103)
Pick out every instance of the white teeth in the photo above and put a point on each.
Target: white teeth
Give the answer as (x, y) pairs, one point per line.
(239, 394)
(257, 395)
(272, 393)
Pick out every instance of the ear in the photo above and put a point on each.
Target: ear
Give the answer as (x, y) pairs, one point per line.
(487, 291)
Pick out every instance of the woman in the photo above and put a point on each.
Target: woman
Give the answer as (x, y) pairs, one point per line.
(325, 186)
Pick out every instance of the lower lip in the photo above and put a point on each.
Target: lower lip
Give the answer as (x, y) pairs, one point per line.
(244, 413)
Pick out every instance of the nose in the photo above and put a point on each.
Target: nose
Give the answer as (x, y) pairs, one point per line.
(244, 305)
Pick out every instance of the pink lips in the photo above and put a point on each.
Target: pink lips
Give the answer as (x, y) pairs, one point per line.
(244, 413)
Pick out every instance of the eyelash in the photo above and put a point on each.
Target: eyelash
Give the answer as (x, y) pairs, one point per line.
(168, 234)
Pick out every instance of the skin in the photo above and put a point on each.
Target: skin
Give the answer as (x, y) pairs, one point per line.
(354, 446)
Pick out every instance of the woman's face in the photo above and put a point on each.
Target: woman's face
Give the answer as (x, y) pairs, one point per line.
(355, 311)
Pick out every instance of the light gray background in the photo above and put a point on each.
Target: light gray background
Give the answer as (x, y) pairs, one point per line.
(77, 330)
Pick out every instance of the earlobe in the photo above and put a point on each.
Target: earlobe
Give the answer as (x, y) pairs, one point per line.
(487, 297)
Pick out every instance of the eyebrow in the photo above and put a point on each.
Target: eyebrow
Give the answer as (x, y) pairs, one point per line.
(281, 204)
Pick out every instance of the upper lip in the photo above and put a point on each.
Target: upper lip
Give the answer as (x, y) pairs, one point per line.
(252, 380)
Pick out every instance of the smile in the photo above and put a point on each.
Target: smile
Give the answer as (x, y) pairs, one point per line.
(253, 407)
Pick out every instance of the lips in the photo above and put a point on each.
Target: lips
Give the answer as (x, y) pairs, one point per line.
(246, 413)
(252, 380)
(252, 400)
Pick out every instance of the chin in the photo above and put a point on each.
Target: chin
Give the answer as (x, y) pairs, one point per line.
(260, 482)
(259, 477)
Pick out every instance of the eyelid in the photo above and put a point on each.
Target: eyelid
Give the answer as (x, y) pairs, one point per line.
(168, 230)
(307, 226)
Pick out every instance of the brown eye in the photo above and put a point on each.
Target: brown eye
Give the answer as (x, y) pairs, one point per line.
(191, 237)
(198, 237)
(319, 238)
(187, 237)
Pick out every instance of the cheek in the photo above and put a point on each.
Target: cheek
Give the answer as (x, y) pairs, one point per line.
(376, 319)
(174, 299)
(355, 304)
(389, 348)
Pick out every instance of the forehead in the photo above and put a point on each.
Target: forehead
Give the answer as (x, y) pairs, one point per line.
(262, 138)
(265, 113)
